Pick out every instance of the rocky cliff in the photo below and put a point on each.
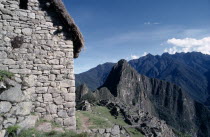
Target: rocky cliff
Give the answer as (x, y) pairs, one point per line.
(160, 99)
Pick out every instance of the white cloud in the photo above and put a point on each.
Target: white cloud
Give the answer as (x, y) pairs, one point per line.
(135, 57)
(144, 54)
(147, 23)
(189, 45)
(151, 23)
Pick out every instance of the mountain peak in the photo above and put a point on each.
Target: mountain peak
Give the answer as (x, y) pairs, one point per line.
(121, 62)
(118, 73)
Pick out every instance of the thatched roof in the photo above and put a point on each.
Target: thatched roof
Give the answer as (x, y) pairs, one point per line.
(70, 25)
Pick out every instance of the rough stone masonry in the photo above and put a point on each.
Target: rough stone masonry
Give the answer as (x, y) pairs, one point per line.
(38, 44)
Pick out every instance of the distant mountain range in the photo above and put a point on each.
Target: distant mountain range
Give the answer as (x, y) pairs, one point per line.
(145, 102)
(191, 71)
(94, 77)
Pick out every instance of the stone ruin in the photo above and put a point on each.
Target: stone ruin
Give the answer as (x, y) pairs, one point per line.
(38, 43)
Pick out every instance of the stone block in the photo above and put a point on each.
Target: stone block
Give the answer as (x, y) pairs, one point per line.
(43, 78)
(41, 89)
(48, 98)
(20, 71)
(115, 130)
(70, 97)
(21, 13)
(27, 31)
(6, 17)
(53, 62)
(9, 62)
(72, 89)
(18, 31)
(29, 122)
(13, 94)
(59, 54)
(71, 112)
(52, 108)
(55, 72)
(65, 83)
(32, 15)
(52, 77)
(24, 108)
(53, 90)
(29, 81)
(57, 66)
(40, 99)
(101, 131)
(5, 107)
(69, 104)
(62, 114)
(70, 121)
(44, 67)
(40, 109)
(9, 122)
(58, 100)
(3, 55)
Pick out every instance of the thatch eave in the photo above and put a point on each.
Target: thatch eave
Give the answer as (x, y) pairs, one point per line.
(70, 25)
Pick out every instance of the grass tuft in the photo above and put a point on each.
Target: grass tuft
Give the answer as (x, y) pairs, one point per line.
(12, 130)
(5, 74)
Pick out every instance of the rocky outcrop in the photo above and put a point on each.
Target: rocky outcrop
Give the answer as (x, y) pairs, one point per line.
(161, 100)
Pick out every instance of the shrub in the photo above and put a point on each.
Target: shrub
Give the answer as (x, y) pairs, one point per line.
(5, 74)
(12, 131)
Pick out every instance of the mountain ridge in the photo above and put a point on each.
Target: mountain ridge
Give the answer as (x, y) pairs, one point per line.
(188, 70)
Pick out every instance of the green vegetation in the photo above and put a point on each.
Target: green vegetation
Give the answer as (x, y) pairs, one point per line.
(41, 121)
(90, 120)
(78, 119)
(134, 132)
(12, 131)
(5, 74)
(44, 120)
(35, 133)
(105, 112)
(100, 117)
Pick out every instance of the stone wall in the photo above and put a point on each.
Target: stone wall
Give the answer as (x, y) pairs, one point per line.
(115, 131)
(44, 62)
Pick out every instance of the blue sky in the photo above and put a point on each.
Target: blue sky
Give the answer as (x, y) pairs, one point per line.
(116, 29)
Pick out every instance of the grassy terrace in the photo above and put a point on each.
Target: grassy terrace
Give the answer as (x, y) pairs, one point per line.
(100, 117)
(35, 133)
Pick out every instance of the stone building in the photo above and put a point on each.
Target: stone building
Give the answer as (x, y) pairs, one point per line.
(38, 43)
